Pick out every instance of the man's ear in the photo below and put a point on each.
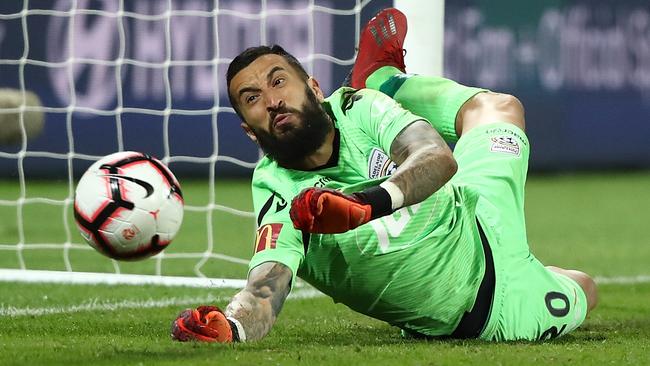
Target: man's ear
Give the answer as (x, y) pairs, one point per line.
(249, 132)
(315, 87)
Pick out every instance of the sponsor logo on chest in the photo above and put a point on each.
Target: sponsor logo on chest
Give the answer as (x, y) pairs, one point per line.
(379, 164)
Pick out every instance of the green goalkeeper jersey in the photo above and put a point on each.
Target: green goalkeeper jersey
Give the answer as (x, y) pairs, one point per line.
(418, 268)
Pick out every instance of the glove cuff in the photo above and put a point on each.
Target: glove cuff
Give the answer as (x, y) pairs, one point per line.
(238, 334)
(396, 194)
(379, 200)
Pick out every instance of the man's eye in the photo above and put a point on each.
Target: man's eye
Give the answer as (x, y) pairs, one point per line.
(251, 98)
(278, 81)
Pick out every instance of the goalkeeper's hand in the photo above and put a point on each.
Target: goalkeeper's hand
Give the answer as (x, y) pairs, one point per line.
(327, 211)
(205, 323)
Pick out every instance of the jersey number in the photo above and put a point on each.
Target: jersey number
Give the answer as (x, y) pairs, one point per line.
(389, 227)
(553, 332)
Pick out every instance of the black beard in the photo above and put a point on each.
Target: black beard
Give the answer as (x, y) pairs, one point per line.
(290, 149)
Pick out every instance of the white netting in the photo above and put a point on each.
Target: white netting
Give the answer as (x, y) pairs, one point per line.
(69, 56)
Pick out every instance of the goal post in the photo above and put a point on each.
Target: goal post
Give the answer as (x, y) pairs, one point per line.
(149, 76)
(425, 37)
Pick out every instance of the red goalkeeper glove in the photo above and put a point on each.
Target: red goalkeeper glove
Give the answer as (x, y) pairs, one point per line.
(206, 324)
(327, 211)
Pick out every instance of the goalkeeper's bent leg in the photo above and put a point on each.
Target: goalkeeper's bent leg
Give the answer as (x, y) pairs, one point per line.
(436, 99)
(584, 280)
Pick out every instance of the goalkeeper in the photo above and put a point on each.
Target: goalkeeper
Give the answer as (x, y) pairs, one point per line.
(383, 217)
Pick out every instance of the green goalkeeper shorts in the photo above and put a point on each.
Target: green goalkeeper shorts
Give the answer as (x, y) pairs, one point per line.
(530, 302)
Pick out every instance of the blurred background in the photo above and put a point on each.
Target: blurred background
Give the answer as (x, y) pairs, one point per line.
(81, 79)
(152, 79)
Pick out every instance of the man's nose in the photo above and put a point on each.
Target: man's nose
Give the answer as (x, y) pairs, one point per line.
(274, 102)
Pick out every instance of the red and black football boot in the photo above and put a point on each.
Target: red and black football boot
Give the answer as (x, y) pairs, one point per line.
(381, 44)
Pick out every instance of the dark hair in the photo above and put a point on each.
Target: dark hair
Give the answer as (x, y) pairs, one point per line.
(253, 53)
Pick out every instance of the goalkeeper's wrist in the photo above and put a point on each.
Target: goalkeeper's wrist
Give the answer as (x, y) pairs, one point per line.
(384, 199)
(396, 194)
(238, 333)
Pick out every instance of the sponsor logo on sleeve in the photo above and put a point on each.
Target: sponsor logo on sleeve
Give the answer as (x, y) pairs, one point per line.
(505, 144)
(267, 236)
(380, 165)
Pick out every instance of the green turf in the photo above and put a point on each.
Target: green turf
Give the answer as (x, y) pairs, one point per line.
(593, 222)
(313, 331)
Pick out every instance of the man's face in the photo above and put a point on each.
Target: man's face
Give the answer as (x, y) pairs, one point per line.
(281, 111)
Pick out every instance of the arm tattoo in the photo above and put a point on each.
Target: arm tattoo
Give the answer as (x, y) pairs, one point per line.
(257, 306)
(425, 162)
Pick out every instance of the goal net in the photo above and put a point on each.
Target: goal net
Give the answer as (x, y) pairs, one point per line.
(82, 79)
(144, 76)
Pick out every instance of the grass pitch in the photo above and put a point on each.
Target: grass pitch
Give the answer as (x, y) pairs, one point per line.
(592, 222)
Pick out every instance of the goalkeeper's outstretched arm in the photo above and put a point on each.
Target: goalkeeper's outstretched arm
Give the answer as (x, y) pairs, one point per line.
(257, 306)
(249, 316)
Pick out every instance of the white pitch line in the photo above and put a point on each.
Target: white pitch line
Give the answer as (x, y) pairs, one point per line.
(67, 278)
(91, 278)
(107, 305)
(622, 280)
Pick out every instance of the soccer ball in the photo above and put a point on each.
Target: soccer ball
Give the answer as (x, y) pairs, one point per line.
(128, 206)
